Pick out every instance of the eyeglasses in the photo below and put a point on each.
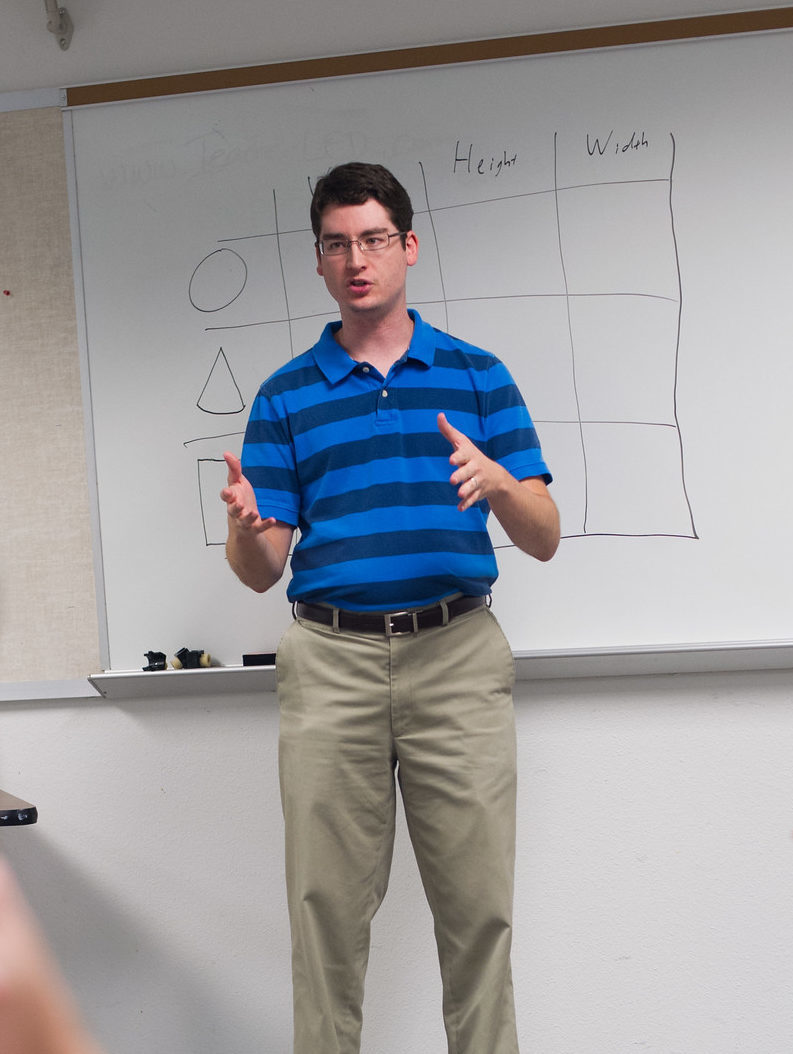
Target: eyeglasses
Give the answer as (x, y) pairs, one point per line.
(369, 243)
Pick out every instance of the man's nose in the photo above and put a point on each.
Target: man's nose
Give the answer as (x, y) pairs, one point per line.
(355, 254)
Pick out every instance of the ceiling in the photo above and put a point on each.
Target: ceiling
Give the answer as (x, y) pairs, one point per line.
(127, 39)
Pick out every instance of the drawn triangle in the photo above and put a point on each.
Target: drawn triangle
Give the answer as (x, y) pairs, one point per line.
(221, 394)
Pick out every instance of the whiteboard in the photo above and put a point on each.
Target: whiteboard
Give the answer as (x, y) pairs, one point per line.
(615, 225)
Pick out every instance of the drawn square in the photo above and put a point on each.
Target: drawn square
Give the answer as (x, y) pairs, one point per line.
(634, 481)
(625, 352)
(608, 154)
(618, 239)
(563, 453)
(305, 332)
(425, 283)
(239, 283)
(564, 456)
(304, 289)
(251, 353)
(499, 248)
(435, 313)
(533, 337)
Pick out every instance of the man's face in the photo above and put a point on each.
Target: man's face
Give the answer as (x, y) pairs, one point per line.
(362, 282)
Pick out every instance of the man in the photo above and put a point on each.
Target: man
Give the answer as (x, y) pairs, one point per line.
(386, 444)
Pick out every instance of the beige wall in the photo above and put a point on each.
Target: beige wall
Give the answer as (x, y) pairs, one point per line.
(48, 621)
(653, 908)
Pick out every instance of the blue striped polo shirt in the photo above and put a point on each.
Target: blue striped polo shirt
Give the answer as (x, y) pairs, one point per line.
(356, 462)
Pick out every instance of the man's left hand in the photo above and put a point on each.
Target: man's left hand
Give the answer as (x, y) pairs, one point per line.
(475, 475)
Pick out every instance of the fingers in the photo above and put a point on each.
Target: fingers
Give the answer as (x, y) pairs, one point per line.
(229, 492)
(464, 456)
(449, 432)
(234, 466)
(470, 483)
(248, 519)
(464, 449)
(472, 472)
(240, 500)
(252, 522)
(469, 493)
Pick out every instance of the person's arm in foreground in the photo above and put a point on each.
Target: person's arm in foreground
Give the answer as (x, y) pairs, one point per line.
(37, 1014)
(524, 508)
(256, 549)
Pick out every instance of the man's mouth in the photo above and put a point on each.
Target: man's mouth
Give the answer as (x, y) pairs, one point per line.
(359, 285)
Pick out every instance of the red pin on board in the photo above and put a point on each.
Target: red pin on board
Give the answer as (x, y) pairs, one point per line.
(6, 292)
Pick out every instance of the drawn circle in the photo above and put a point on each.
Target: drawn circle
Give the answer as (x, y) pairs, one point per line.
(218, 280)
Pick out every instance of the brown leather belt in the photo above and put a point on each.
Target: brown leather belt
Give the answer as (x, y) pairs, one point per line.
(390, 623)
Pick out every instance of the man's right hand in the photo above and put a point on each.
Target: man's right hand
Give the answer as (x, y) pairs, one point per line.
(241, 501)
(256, 549)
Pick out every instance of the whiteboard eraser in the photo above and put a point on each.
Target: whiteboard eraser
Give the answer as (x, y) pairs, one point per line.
(265, 658)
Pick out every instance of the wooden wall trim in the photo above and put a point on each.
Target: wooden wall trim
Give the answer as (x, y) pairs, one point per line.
(671, 29)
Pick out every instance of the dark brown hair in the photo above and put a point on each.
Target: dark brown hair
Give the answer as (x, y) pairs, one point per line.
(356, 182)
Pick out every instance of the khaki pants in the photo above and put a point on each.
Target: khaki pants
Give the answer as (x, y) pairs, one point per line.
(434, 707)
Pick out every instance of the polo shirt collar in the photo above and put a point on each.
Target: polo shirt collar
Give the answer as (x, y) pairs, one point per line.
(336, 364)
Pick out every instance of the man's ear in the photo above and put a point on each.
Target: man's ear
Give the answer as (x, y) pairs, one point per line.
(411, 248)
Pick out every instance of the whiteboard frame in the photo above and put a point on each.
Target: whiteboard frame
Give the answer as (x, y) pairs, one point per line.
(620, 660)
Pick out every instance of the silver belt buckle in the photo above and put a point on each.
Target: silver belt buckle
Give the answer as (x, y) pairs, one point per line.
(389, 623)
